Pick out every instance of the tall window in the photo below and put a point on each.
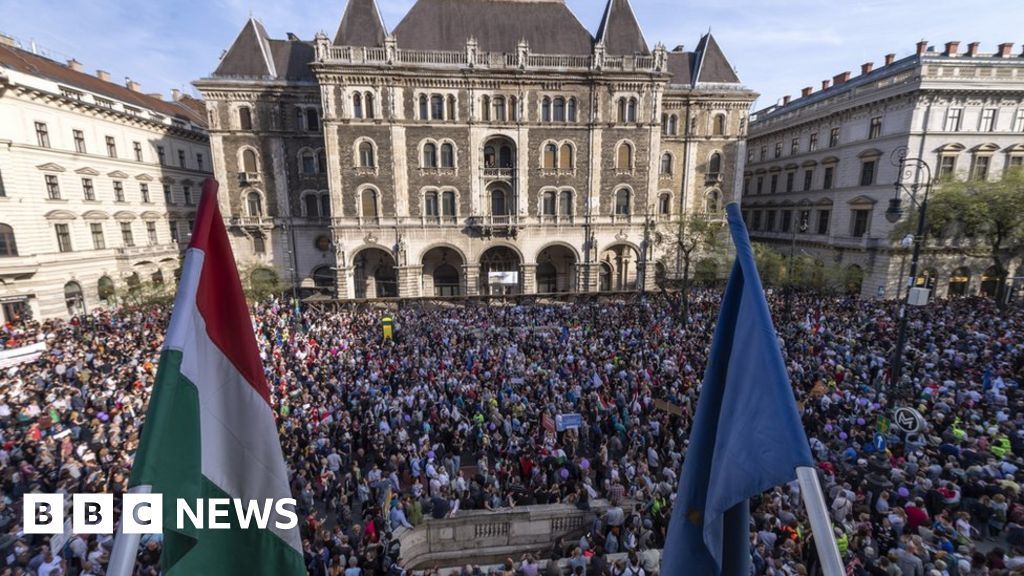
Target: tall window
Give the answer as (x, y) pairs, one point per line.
(812, 144)
(808, 179)
(79, 137)
(366, 156)
(565, 157)
(827, 182)
(545, 109)
(161, 155)
(718, 129)
(370, 112)
(369, 203)
(988, 120)
(151, 233)
(144, 192)
(126, 234)
(73, 298)
(254, 204)
(451, 108)
(624, 159)
(631, 110)
(168, 196)
(824, 217)
(308, 162)
(181, 159)
(499, 109)
(311, 205)
(666, 165)
(357, 105)
(775, 184)
(565, 203)
(485, 108)
(981, 165)
(430, 205)
(861, 219)
(760, 185)
(429, 155)
(259, 244)
(137, 148)
(437, 107)
(249, 161)
(622, 109)
(622, 202)
(715, 164)
(664, 204)
(424, 109)
(558, 109)
(8, 247)
(63, 237)
(245, 118)
(953, 118)
(300, 119)
(794, 147)
(947, 166)
(312, 120)
(867, 173)
(187, 193)
(111, 147)
(513, 109)
(42, 135)
(876, 128)
(778, 149)
(199, 162)
(833, 138)
(447, 155)
(98, 242)
(550, 156)
(1018, 121)
(790, 177)
(571, 110)
(549, 203)
(448, 204)
(52, 187)
(118, 191)
(88, 192)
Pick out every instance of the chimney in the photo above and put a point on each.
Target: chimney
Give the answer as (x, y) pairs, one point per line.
(132, 85)
(785, 99)
(156, 95)
(840, 78)
(175, 94)
(866, 68)
(972, 49)
(806, 92)
(951, 48)
(825, 83)
(889, 59)
(922, 46)
(75, 65)
(1004, 49)
(103, 75)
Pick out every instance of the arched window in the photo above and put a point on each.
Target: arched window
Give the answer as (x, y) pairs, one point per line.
(485, 108)
(312, 120)
(73, 298)
(245, 118)
(713, 202)
(622, 202)
(548, 204)
(664, 204)
(622, 109)
(624, 158)
(498, 205)
(369, 203)
(369, 105)
(513, 109)
(308, 162)
(505, 157)
(300, 119)
(448, 204)
(545, 110)
(499, 108)
(430, 207)
(559, 109)
(565, 203)
(489, 159)
(565, 157)
(249, 161)
(666, 164)
(673, 125)
(715, 164)
(550, 156)
(571, 110)
(254, 204)
(429, 155)
(105, 289)
(437, 107)
(664, 124)
(447, 155)
(8, 247)
(311, 204)
(366, 156)
(451, 108)
(321, 161)
(424, 113)
(719, 125)
(631, 110)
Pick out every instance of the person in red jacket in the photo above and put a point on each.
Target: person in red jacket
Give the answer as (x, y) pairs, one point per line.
(917, 515)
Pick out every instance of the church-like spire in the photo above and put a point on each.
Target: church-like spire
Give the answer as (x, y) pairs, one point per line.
(249, 55)
(712, 65)
(619, 31)
(362, 25)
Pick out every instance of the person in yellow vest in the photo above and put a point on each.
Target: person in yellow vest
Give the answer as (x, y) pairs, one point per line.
(1000, 446)
(842, 542)
(387, 324)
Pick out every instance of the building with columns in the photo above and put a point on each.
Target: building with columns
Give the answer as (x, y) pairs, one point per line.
(820, 172)
(98, 183)
(479, 147)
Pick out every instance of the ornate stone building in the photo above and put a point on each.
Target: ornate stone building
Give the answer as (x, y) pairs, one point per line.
(481, 146)
(98, 183)
(819, 172)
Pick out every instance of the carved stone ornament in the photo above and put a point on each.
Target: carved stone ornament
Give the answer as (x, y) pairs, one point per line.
(370, 238)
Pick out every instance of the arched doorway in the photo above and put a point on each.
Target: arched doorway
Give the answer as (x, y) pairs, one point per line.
(73, 298)
(134, 286)
(375, 274)
(499, 271)
(605, 277)
(991, 280)
(106, 291)
(853, 279)
(442, 272)
(621, 261)
(556, 270)
(958, 282)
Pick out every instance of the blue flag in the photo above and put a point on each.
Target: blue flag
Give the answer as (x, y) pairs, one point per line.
(746, 435)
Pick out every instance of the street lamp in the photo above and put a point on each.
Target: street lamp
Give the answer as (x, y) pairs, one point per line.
(893, 214)
(789, 273)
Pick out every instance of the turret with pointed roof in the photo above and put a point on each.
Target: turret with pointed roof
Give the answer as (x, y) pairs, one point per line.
(712, 65)
(250, 54)
(620, 32)
(362, 25)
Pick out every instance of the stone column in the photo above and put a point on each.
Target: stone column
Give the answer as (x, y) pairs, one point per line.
(648, 276)
(409, 281)
(471, 277)
(344, 283)
(589, 276)
(528, 282)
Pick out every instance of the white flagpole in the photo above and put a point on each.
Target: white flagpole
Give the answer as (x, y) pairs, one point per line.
(821, 523)
(126, 546)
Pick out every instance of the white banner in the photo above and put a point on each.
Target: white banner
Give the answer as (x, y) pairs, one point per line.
(18, 356)
(503, 278)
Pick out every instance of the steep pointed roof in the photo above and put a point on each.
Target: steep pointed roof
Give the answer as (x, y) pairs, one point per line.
(362, 25)
(498, 26)
(620, 31)
(712, 65)
(250, 55)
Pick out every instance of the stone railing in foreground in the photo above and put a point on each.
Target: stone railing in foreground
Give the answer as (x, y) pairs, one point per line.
(483, 537)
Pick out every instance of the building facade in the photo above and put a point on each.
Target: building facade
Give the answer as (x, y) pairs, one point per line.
(480, 147)
(98, 183)
(820, 169)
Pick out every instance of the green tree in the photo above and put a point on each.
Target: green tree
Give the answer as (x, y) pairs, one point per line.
(262, 282)
(978, 218)
(696, 237)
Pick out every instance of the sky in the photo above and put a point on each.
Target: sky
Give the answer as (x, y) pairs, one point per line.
(776, 46)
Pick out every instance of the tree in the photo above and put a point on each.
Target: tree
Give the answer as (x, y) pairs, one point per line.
(978, 218)
(261, 283)
(695, 237)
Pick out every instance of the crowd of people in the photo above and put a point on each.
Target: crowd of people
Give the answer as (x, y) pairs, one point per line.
(458, 412)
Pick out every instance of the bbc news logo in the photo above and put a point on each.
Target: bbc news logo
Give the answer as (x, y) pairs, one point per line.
(144, 514)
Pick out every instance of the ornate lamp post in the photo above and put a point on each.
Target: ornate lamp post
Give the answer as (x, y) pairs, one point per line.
(908, 168)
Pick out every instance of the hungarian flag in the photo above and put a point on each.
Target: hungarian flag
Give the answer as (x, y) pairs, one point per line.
(210, 430)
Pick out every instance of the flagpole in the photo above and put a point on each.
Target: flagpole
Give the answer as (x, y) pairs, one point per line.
(821, 524)
(126, 546)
